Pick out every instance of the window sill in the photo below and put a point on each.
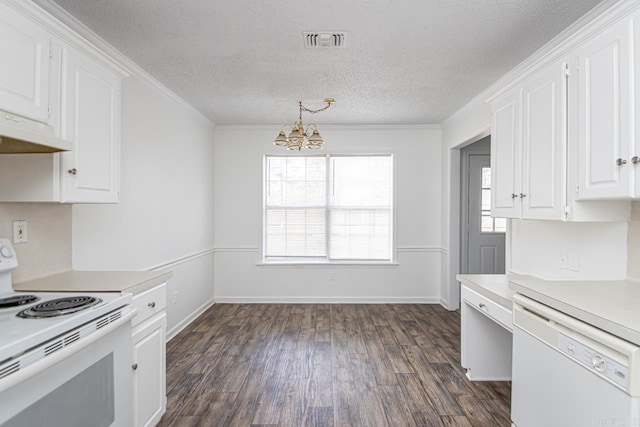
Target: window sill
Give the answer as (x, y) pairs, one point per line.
(327, 264)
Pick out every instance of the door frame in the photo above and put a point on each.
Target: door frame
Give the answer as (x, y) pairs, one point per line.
(480, 147)
(450, 288)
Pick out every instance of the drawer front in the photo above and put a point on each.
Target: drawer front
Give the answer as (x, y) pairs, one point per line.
(489, 308)
(150, 302)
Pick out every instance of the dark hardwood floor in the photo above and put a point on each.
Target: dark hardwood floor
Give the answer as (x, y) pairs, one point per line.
(326, 365)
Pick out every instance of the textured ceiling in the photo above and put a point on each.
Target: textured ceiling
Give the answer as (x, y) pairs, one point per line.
(406, 61)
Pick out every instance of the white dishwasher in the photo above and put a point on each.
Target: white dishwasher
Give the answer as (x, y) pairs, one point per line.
(568, 373)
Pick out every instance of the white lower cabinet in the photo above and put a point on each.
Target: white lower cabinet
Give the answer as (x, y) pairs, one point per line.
(486, 338)
(149, 356)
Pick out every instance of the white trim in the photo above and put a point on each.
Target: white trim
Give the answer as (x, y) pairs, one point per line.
(328, 264)
(445, 304)
(329, 127)
(327, 300)
(187, 320)
(421, 249)
(81, 30)
(399, 249)
(46, 17)
(182, 260)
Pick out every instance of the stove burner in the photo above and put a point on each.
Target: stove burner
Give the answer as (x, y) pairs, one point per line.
(16, 300)
(59, 307)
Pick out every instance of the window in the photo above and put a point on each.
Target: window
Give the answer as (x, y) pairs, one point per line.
(328, 208)
(489, 224)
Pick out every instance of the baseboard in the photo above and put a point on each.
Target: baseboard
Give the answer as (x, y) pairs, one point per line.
(327, 300)
(186, 321)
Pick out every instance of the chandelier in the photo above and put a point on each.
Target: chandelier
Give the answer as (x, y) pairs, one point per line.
(299, 135)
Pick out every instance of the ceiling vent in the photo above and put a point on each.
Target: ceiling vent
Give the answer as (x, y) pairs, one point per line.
(325, 39)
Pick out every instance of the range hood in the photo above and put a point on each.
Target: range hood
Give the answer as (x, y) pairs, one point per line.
(22, 136)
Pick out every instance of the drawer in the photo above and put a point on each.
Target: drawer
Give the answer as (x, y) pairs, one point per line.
(150, 302)
(488, 307)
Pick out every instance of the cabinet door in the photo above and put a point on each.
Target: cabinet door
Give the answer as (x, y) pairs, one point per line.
(91, 119)
(505, 157)
(149, 379)
(604, 124)
(24, 75)
(543, 144)
(636, 145)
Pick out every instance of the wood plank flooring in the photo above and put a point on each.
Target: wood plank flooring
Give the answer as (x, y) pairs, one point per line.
(326, 365)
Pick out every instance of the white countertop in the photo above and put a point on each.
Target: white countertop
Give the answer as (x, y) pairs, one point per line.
(134, 282)
(493, 286)
(613, 306)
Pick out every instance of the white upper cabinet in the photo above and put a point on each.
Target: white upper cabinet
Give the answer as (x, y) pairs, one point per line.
(57, 80)
(565, 145)
(90, 117)
(635, 154)
(505, 157)
(605, 125)
(527, 148)
(543, 144)
(24, 74)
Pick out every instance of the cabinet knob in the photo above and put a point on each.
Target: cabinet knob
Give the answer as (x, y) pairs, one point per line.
(73, 171)
(514, 195)
(621, 162)
(134, 366)
(635, 160)
(522, 195)
(152, 304)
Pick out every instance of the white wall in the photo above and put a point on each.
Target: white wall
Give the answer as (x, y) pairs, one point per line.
(238, 170)
(165, 214)
(48, 249)
(469, 124)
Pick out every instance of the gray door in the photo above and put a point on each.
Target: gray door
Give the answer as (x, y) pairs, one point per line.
(485, 236)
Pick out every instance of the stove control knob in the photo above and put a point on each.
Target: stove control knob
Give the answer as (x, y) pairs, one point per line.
(6, 252)
(598, 363)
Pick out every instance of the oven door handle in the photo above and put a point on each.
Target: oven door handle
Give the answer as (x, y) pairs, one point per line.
(47, 362)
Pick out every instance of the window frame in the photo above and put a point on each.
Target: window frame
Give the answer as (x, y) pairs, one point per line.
(325, 260)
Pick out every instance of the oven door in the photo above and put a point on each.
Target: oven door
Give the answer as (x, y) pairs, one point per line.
(87, 383)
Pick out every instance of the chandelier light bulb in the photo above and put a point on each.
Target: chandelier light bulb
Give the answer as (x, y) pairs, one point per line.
(299, 136)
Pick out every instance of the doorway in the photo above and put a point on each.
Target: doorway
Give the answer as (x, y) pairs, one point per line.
(482, 236)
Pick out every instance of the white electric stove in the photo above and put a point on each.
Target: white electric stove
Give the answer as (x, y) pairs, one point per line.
(60, 346)
(38, 317)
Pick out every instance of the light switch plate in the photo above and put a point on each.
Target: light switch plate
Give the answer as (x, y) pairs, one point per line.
(20, 231)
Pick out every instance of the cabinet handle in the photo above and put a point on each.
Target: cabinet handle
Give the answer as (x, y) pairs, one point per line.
(621, 162)
(522, 195)
(9, 117)
(73, 171)
(481, 305)
(152, 304)
(514, 195)
(635, 160)
(134, 366)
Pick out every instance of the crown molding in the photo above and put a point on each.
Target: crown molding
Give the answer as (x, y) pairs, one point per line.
(71, 30)
(603, 15)
(342, 128)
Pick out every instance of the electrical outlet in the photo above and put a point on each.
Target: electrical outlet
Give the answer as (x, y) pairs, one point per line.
(19, 231)
(332, 275)
(563, 261)
(573, 259)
